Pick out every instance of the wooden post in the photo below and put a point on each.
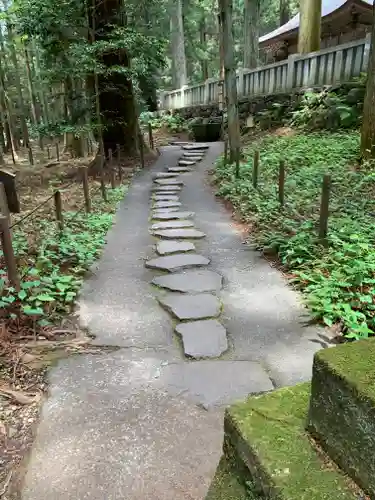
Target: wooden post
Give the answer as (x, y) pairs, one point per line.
(86, 191)
(48, 152)
(111, 169)
(324, 209)
(141, 151)
(150, 135)
(102, 181)
(10, 260)
(31, 157)
(4, 209)
(57, 151)
(119, 162)
(12, 153)
(58, 210)
(88, 146)
(238, 154)
(281, 182)
(226, 151)
(255, 169)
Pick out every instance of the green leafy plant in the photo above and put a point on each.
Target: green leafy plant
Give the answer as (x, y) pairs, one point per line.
(338, 281)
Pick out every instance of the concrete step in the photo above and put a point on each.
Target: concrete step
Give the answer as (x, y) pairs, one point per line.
(342, 408)
(266, 440)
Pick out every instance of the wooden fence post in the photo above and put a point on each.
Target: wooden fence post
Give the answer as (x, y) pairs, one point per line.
(281, 182)
(58, 210)
(141, 150)
(4, 209)
(111, 170)
(48, 152)
(226, 151)
(118, 150)
(102, 182)
(86, 191)
(238, 155)
(57, 151)
(255, 169)
(150, 135)
(31, 157)
(10, 260)
(324, 209)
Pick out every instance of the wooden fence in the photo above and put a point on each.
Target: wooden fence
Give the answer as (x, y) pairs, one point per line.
(325, 67)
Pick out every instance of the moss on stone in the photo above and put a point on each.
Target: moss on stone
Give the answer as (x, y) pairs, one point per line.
(268, 434)
(226, 484)
(341, 414)
(354, 364)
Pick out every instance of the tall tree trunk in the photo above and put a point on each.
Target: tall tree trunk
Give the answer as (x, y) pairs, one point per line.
(203, 39)
(6, 116)
(226, 13)
(178, 45)
(221, 62)
(284, 11)
(40, 86)
(310, 12)
(21, 102)
(368, 123)
(30, 83)
(251, 34)
(116, 97)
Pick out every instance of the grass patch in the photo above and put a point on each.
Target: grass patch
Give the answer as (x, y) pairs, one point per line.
(270, 431)
(53, 267)
(338, 281)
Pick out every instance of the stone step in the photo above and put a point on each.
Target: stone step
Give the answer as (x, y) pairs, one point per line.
(186, 163)
(177, 262)
(170, 247)
(267, 440)
(193, 156)
(166, 204)
(179, 234)
(165, 189)
(195, 147)
(191, 307)
(169, 182)
(342, 408)
(171, 224)
(194, 281)
(172, 215)
(165, 175)
(203, 339)
(179, 170)
(165, 197)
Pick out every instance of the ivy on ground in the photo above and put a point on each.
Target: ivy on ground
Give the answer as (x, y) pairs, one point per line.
(52, 275)
(338, 280)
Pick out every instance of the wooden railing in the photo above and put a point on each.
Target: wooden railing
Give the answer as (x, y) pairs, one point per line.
(324, 67)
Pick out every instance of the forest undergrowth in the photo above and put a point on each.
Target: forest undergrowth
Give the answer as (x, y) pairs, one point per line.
(337, 279)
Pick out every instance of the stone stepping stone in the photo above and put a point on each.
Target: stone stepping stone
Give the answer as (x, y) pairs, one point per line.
(179, 234)
(165, 175)
(166, 204)
(172, 224)
(186, 163)
(203, 339)
(193, 281)
(192, 158)
(169, 182)
(164, 189)
(165, 211)
(191, 307)
(172, 215)
(193, 155)
(165, 197)
(194, 147)
(170, 247)
(179, 170)
(177, 262)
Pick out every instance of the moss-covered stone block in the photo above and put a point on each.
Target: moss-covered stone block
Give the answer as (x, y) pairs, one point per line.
(227, 484)
(268, 436)
(342, 408)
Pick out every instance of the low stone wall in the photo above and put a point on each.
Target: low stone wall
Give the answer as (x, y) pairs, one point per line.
(276, 109)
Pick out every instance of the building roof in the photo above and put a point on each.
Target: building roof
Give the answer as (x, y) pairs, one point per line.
(328, 7)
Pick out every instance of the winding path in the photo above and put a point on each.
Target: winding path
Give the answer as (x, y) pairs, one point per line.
(196, 319)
